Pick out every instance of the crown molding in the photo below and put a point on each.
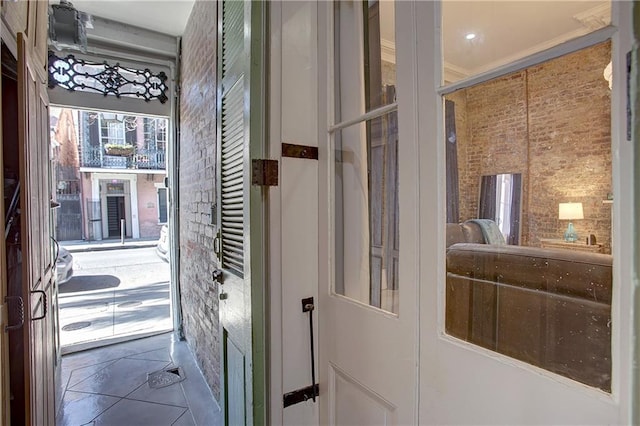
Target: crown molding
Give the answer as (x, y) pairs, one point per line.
(454, 73)
(596, 17)
(532, 50)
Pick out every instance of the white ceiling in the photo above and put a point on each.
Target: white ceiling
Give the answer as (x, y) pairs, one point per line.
(509, 30)
(506, 29)
(165, 16)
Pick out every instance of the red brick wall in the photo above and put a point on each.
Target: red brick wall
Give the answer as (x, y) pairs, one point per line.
(197, 147)
(551, 123)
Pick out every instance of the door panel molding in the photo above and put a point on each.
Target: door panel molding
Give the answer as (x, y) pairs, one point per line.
(37, 258)
(352, 403)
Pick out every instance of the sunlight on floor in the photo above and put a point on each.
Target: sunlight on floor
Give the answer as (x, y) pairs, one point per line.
(110, 385)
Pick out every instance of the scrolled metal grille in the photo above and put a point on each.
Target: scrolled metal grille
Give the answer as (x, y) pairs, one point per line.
(77, 74)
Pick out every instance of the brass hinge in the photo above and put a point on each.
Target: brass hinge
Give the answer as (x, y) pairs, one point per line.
(264, 172)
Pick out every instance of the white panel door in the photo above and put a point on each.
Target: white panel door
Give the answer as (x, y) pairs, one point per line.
(368, 274)
(476, 381)
(385, 354)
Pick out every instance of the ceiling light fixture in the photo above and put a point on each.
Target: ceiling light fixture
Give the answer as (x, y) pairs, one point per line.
(470, 36)
(68, 26)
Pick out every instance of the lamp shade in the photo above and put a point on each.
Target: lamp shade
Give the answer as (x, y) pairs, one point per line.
(570, 211)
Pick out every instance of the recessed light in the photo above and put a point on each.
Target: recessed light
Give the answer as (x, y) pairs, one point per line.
(470, 36)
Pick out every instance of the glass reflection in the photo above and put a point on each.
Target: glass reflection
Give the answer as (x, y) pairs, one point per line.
(366, 212)
(539, 299)
(479, 36)
(365, 57)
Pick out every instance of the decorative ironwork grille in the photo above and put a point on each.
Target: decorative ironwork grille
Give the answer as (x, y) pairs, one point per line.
(77, 74)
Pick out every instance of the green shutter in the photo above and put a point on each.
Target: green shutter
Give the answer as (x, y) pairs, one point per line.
(231, 179)
(232, 138)
(232, 35)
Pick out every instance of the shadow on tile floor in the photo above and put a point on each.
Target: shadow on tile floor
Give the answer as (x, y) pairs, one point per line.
(109, 386)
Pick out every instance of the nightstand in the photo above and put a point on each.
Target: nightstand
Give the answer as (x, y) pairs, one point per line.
(578, 245)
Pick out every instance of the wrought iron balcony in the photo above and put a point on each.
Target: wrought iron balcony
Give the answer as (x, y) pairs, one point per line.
(96, 157)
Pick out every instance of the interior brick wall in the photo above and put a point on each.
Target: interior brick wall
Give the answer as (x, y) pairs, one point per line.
(552, 123)
(197, 147)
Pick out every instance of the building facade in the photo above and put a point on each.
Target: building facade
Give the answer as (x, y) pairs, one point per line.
(110, 173)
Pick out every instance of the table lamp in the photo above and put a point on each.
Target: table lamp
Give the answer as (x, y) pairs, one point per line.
(570, 211)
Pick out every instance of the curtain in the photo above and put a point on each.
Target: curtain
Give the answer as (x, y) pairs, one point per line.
(487, 207)
(516, 200)
(453, 191)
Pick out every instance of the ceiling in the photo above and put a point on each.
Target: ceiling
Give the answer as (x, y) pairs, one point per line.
(510, 30)
(165, 16)
(505, 29)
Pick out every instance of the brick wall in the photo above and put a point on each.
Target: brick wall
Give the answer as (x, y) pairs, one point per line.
(551, 123)
(196, 182)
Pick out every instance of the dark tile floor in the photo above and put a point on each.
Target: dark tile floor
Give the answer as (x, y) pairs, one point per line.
(110, 386)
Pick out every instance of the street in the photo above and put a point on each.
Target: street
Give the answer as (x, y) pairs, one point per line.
(114, 293)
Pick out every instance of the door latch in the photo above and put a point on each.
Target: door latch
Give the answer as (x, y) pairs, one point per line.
(218, 276)
(309, 392)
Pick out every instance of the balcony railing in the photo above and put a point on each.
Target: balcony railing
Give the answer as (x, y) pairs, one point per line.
(150, 159)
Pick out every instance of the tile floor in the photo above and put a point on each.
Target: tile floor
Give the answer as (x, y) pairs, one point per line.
(109, 386)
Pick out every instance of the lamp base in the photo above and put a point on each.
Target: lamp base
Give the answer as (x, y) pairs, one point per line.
(570, 234)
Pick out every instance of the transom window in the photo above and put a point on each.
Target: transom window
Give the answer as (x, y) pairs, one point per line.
(77, 74)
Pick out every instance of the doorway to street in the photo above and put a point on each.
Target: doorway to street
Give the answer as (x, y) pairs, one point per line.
(114, 271)
(115, 215)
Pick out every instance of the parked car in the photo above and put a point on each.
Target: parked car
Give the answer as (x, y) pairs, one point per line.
(163, 244)
(64, 266)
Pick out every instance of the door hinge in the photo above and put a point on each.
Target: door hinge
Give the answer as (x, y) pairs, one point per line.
(264, 172)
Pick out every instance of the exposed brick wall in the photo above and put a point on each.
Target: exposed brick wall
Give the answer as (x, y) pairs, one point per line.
(570, 158)
(197, 189)
(551, 123)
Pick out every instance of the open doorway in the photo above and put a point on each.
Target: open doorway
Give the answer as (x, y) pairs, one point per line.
(114, 274)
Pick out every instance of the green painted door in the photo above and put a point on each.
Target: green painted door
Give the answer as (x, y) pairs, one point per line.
(239, 210)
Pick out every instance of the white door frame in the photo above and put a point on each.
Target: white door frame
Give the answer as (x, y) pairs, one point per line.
(293, 206)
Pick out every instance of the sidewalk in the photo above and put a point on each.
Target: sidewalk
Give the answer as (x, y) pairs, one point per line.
(81, 246)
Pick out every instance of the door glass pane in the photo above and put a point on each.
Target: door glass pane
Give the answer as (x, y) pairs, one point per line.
(365, 58)
(366, 212)
(532, 155)
(479, 36)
